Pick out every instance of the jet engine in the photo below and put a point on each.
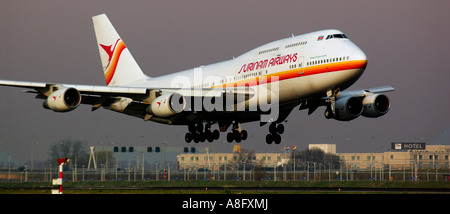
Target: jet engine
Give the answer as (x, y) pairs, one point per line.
(376, 105)
(63, 100)
(167, 105)
(348, 108)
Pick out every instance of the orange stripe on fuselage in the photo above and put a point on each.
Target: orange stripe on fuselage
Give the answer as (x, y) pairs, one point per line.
(297, 72)
(111, 70)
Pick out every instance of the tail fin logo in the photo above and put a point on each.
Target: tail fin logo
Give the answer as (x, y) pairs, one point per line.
(114, 55)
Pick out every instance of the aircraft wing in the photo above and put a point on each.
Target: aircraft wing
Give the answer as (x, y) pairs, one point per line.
(46, 89)
(105, 95)
(365, 92)
(124, 91)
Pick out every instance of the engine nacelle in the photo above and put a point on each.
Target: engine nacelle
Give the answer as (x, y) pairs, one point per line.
(348, 108)
(63, 100)
(167, 105)
(376, 105)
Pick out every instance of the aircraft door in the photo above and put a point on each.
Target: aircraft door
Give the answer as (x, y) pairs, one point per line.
(301, 65)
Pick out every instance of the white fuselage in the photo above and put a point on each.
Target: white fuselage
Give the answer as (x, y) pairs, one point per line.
(304, 65)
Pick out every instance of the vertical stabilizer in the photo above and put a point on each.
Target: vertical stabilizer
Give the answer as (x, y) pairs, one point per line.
(119, 66)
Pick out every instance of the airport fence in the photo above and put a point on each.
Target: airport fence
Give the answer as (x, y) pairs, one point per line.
(274, 174)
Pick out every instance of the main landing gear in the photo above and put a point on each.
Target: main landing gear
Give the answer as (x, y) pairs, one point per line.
(237, 134)
(275, 133)
(198, 133)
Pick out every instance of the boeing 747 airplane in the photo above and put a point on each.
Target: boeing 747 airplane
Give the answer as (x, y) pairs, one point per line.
(264, 84)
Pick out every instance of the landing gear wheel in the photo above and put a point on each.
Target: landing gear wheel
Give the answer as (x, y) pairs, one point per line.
(328, 114)
(196, 137)
(188, 137)
(280, 128)
(244, 135)
(191, 128)
(277, 138)
(237, 136)
(275, 133)
(209, 136)
(273, 128)
(269, 139)
(202, 137)
(230, 137)
(200, 127)
(216, 134)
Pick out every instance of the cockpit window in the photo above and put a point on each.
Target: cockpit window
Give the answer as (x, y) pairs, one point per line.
(337, 36)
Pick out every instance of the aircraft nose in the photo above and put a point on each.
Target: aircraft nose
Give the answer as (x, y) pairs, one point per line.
(361, 58)
(359, 55)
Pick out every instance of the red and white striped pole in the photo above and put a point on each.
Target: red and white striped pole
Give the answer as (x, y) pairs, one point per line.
(62, 162)
(60, 176)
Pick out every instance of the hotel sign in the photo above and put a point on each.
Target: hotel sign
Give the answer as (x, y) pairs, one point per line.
(400, 146)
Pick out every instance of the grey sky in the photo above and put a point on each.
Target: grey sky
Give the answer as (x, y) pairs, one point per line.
(53, 41)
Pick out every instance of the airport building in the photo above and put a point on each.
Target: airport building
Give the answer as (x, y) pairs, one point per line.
(216, 161)
(430, 157)
(427, 157)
